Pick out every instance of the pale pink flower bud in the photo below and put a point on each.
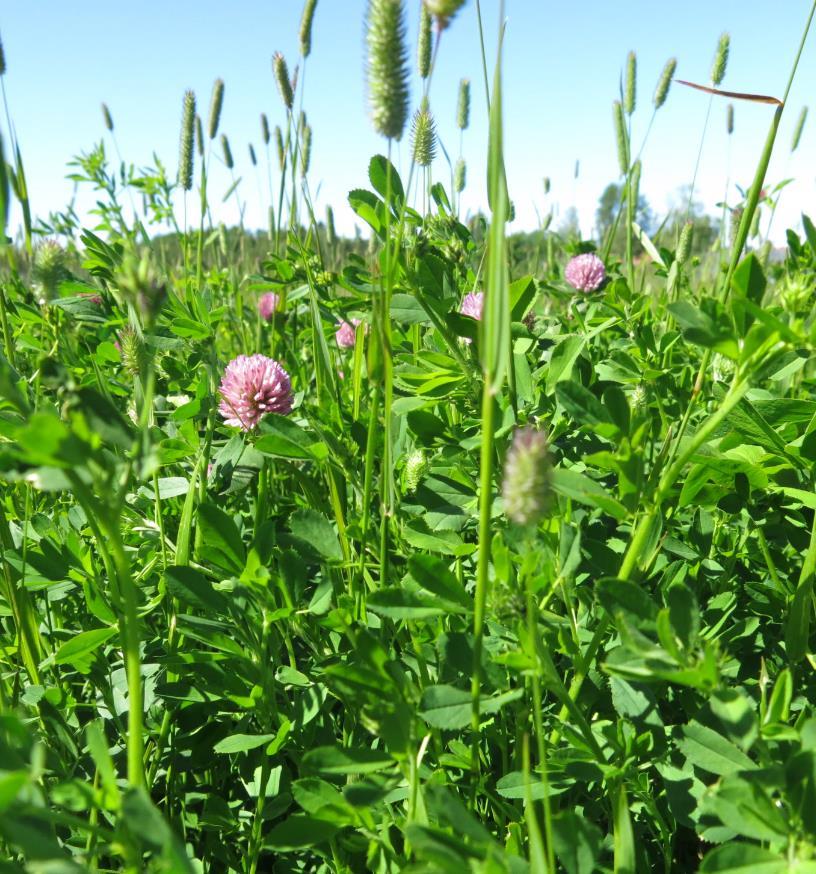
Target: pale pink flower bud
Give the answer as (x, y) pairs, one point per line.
(472, 306)
(268, 305)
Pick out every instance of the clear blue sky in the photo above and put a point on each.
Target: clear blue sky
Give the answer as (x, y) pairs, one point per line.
(563, 63)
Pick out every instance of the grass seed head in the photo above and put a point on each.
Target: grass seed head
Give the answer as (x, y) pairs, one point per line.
(630, 89)
(423, 136)
(424, 43)
(664, 83)
(463, 105)
(199, 135)
(280, 148)
(684, 245)
(306, 27)
(284, 83)
(131, 350)
(227, 151)
(2, 58)
(387, 67)
(216, 102)
(527, 484)
(729, 119)
(621, 138)
(720, 59)
(108, 118)
(331, 233)
(252, 156)
(188, 115)
(460, 176)
(265, 129)
(736, 220)
(797, 132)
(49, 266)
(305, 150)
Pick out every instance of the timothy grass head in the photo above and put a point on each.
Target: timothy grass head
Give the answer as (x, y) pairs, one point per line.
(387, 67)
(216, 102)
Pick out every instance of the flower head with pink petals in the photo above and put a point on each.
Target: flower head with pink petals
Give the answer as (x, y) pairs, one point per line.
(472, 305)
(585, 272)
(252, 386)
(346, 334)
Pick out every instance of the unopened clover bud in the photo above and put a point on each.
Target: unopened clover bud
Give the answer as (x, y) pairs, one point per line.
(141, 286)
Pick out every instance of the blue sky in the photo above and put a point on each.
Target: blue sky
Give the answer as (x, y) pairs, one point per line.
(562, 67)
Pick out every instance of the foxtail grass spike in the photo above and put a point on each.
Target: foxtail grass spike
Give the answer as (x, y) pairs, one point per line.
(460, 176)
(729, 119)
(797, 133)
(302, 123)
(2, 58)
(252, 157)
(630, 91)
(188, 116)
(216, 102)
(306, 27)
(285, 87)
(686, 239)
(331, 233)
(720, 59)
(131, 350)
(387, 67)
(547, 185)
(265, 128)
(527, 485)
(424, 43)
(754, 232)
(280, 148)
(634, 185)
(225, 148)
(463, 106)
(199, 133)
(664, 83)
(443, 10)
(305, 150)
(423, 136)
(577, 171)
(620, 136)
(736, 220)
(107, 117)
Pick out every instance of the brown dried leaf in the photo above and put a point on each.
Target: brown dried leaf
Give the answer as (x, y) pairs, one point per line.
(735, 95)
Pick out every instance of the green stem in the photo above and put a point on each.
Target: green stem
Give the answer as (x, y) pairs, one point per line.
(480, 600)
